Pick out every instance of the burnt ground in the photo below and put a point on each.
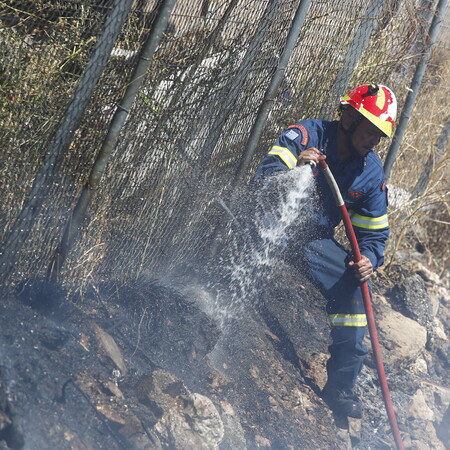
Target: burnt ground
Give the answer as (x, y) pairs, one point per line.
(74, 372)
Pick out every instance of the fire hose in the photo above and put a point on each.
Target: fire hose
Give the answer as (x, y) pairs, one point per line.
(367, 303)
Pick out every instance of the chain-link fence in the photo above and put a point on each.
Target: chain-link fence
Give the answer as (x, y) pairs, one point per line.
(202, 116)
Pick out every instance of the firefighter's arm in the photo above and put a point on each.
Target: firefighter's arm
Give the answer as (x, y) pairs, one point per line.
(284, 153)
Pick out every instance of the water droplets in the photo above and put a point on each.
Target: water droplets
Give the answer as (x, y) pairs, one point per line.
(271, 216)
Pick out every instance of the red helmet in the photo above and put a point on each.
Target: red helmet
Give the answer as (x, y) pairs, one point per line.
(376, 103)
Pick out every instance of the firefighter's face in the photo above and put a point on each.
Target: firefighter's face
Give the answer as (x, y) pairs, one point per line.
(365, 137)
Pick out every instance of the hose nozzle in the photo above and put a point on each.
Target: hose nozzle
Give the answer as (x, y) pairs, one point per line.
(312, 164)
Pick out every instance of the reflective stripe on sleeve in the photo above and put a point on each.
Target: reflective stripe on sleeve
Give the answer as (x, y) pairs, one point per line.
(370, 223)
(285, 155)
(348, 320)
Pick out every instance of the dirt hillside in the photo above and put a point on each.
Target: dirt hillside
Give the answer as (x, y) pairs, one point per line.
(155, 365)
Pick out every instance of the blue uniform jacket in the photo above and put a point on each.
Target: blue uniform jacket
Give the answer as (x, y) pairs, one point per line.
(361, 181)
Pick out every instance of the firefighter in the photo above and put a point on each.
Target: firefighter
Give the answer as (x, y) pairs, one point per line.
(367, 113)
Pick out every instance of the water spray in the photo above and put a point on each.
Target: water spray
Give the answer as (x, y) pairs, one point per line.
(366, 297)
(260, 231)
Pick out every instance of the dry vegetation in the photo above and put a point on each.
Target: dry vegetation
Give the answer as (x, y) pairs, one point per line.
(43, 52)
(422, 223)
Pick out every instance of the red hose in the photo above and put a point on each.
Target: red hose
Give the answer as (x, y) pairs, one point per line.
(367, 304)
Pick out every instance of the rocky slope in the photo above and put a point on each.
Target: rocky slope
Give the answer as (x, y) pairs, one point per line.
(178, 364)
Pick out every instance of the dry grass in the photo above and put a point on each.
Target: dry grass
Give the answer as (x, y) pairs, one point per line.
(423, 223)
(45, 56)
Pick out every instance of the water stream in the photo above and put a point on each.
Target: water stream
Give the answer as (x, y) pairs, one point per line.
(270, 217)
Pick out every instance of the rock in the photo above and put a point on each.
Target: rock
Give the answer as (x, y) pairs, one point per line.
(300, 400)
(419, 366)
(427, 275)
(5, 421)
(109, 345)
(262, 441)
(412, 300)
(425, 438)
(315, 368)
(418, 407)
(438, 400)
(433, 440)
(440, 350)
(443, 428)
(439, 329)
(192, 422)
(186, 420)
(402, 346)
(234, 435)
(354, 430)
(158, 391)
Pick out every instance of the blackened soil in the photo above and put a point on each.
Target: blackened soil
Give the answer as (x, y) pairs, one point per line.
(70, 367)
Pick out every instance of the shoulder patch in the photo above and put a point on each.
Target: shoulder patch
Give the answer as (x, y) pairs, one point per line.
(303, 131)
(291, 134)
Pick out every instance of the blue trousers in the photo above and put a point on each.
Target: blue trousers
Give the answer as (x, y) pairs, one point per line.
(325, 261)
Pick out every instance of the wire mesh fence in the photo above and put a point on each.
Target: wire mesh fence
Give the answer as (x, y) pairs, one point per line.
(182, 142)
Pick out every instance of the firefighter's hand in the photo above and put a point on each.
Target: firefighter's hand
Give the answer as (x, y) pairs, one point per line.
(310, 154)
(363, 268)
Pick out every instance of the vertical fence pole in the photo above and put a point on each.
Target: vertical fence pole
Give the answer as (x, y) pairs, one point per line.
(267, 103)
(264, 110)
(352, 56)
(439, 152)
(234, 90)
(414, 88)
(231, 93)
(110, 141)
(63, 137)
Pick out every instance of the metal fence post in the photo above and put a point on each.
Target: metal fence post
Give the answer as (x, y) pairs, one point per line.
(63, 137)
(244, 68)
(433, 159)
(110, 141)
(233, 91)
(352, 56)
(264, 110)
(414, 89)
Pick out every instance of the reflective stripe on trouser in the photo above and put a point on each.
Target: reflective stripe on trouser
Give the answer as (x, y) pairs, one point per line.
(325, 260)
